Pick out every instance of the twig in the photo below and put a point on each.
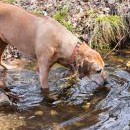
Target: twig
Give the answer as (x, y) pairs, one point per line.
(113, 48)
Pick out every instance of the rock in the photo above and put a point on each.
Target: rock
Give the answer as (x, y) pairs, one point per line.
(128, 64)
(112, 108)
(54, 113)
(117, 115)
(38, 113)
(111, 1)
(4, 100)
(85, 0)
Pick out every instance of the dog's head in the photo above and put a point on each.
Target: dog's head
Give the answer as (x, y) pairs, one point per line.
(90, 64)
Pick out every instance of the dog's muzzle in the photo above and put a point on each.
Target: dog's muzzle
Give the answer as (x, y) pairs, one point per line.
(100, 79)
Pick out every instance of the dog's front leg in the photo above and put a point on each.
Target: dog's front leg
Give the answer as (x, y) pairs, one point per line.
(44, 67)
(43, 75)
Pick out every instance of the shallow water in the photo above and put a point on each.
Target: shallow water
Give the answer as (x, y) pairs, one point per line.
(78, 104)
(31, 113)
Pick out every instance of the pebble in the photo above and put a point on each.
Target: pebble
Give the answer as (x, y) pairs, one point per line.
(39, 113)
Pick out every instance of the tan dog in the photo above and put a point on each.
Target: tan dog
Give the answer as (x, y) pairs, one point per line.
(46, 41)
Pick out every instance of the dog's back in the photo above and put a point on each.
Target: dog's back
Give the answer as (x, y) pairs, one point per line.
(17, 28)
(25, 30)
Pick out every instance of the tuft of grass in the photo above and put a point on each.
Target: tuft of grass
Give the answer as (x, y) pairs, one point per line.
(62, 17)
(9, 1)
(107, 30)
(124, 13)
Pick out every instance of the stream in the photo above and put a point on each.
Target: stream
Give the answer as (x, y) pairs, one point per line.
(78, 105)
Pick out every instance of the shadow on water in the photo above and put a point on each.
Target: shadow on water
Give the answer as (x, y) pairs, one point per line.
(78, 104)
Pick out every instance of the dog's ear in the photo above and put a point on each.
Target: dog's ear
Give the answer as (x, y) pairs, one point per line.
(84, 69)
(83, 49)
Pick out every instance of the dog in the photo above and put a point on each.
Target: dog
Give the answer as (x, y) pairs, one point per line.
(47, 42)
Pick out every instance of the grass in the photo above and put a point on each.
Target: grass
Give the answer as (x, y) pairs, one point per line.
(104, 30)
(9, 1)
(62, 17)
(38, 12)
(107, 30)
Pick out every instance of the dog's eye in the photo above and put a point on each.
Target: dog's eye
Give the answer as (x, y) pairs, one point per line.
(99, 71)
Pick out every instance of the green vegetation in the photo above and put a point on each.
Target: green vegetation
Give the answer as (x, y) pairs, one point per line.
(62, 17)
(107, 30)
(104, 29)
(9, 1)
(38, 12)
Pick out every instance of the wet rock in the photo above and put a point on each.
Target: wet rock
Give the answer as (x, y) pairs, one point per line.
(112, 109)
(81, 91)
(4, 100)
(115, 105)
(117, 115)
(54, 113)
(26, 85)
(38, 113)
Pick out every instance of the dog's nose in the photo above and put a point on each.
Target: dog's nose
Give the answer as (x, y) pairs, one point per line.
(104, 75)
(99, 71)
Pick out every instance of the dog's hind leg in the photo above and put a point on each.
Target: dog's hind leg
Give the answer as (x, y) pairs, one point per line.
(2, 48)
(2, 63)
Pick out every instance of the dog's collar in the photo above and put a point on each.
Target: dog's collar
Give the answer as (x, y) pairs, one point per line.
(74, 55)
